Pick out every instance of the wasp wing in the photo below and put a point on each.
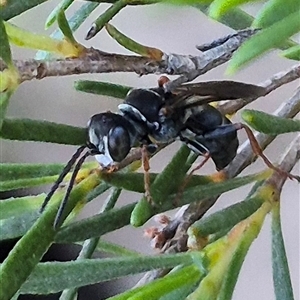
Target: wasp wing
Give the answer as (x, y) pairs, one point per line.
(195, 94)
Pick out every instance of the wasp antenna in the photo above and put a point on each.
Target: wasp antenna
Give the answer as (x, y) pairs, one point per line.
(61, 177)
(69, 189)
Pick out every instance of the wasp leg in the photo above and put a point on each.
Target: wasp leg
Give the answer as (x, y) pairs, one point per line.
(146, 166)
(258, 151)
(189, 176)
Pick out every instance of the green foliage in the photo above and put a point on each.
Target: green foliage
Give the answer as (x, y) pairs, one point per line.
(269, 124)
(219, 243)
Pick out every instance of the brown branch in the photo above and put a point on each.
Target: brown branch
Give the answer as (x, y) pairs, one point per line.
(96, 61)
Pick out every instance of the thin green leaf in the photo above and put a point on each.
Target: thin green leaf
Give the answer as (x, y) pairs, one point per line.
(97, 191)
(55, 276)
(10, 185)
(265, 40)
(185, 2)
(16, 176)
(27, 39)
(95, 226)
(292, 53)
(269, 124)
(275, 10)
(281, 274)
(220, 7)
(16, 206)
(238, 19)
(201, 192)
(117, 218)
(180, 293)
(89, 246)
(102, 88)
(24, 257)
(42, 131)
(112, 248)
(5, 52)
(63, 5)
(65, 27)
(4, 101)
(105, 17)
(17, 225)
(132, 45)
(225, 218)
(235, 18)
(13, 171)
(249, 234)
(16, 7)
(162, 287)
(171, 177)
(74, 22)
(135, 181)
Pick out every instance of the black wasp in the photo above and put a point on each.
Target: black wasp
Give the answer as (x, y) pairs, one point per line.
(152, 116)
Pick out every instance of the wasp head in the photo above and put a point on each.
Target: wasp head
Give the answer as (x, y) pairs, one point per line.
(110, 137)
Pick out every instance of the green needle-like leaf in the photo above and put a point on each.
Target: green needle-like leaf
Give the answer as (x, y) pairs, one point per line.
(108, 247)
(162, 287)
(74, 22)
(133, 46)
(235, 18)
(4, 101)
(56, 276)
(16, 7)
(28, 39)
(105, 18)
(171, 177)
(292, 53)
(17, 225)
(5, 52)
(26, 254)
(25, 171)
(269, 124)
(31, 247)
(265, 40)
(281, 274)
(15, 176)
(200, 192)
(42, 131)
(63, 5)
(275, 10)
(10, 185)
(252, 227)
(102, 88)
(16, 206)
(226, 218)
(65, 27)
(119, 217)
(95, 226)
(220, 7)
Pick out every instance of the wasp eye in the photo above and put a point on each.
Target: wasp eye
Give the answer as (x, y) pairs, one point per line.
(118, 143)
